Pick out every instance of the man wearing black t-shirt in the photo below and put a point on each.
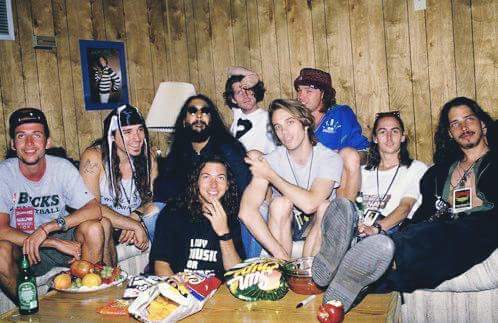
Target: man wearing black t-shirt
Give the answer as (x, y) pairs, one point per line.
(195, 233)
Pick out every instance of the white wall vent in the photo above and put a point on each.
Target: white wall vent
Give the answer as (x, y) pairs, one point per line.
(6, 20)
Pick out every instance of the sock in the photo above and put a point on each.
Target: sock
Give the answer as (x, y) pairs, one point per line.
(338, 227)
(362, 265)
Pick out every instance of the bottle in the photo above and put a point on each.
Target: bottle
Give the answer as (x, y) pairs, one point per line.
(27, 294)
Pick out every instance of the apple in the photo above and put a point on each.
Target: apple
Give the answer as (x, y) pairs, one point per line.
(80, 268)
(331, 312)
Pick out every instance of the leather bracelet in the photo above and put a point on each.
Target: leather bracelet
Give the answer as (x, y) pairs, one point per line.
(379, 228)
(43, 229)
(139, 213)
(225, 237)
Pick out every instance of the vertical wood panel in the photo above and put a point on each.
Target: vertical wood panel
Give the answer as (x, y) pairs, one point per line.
(253, 32)
(240, 32)
(369, 60)
(80, 27)
(485, 22)
(269, 55)
(340, 51)
(420, 84)
(464, 55)
(65, 78)
(193, 65)
(300, 36)
(284, 65)
(203, 39)
(222, 47)
(177, 42)
(319, 35)
(398, 65)
(441, 54)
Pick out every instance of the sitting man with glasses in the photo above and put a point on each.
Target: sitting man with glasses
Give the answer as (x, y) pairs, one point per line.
(389, 187)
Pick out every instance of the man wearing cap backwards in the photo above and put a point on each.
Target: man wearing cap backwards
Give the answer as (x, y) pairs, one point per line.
(119, 169)
(336, 125)
(302, 174)
(251, 125)
(35, 190)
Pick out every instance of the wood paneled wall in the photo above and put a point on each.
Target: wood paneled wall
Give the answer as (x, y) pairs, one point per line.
(382, 55)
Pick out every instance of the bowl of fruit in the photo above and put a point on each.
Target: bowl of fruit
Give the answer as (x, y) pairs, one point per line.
(83, 277)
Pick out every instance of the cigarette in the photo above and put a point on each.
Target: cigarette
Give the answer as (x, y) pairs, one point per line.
(306, 301)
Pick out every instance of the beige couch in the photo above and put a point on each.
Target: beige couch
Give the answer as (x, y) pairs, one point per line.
(130, 260)
(470, 297)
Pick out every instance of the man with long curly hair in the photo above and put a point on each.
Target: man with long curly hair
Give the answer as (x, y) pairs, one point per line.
(200, 231)
(453, 230)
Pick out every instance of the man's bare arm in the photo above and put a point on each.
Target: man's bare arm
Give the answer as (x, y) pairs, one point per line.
(398, 214)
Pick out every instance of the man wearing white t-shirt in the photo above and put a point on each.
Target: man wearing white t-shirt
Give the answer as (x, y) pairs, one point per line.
(302, 174)
(390, 179)
(251, 126)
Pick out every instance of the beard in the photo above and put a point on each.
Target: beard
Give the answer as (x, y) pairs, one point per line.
(195, 135)
(468, 145)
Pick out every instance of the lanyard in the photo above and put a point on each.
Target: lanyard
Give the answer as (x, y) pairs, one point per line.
(388, 188)
(309, 171)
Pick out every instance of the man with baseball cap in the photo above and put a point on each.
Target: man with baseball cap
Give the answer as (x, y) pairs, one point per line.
(35, 190)
(336, 125)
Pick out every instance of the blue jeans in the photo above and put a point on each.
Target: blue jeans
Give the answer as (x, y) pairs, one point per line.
(150, 220)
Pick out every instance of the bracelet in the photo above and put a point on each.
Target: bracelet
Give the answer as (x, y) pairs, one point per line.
(43, 229)
(139, 213)
(225, 237)
(379, 228)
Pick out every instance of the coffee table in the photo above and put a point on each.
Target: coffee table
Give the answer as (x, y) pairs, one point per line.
(223, 307)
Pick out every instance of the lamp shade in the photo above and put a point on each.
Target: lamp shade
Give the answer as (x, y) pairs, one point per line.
(169, 99)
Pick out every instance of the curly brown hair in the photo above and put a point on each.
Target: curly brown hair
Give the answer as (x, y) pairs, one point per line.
(191, 200)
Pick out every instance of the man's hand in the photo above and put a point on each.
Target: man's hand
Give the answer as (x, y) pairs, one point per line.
(249, 81)
(31, 245)
(259, 167)
(141, 240)
(366, 230)
(215, 213)
(126, 236)
(68, 247)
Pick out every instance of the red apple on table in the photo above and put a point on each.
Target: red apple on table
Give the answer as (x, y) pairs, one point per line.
(331, 312)
(80, 268)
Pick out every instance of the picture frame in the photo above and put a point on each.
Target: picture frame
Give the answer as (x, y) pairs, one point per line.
(103, 70)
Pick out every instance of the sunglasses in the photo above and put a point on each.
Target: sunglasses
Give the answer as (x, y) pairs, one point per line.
(204, 110)
(387, 114)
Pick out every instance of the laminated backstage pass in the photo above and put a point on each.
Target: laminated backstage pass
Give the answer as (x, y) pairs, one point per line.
(257, 279)
(462, 199)
(181, 295)
(25, 219)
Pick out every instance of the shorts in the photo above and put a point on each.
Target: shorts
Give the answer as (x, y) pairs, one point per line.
(50, 257)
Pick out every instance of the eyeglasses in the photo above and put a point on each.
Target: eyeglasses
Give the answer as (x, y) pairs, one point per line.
(388, 114)
(204, 110)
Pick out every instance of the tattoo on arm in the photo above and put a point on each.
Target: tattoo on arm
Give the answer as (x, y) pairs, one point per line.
(90, 167)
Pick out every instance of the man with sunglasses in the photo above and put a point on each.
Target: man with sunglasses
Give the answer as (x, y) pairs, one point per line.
(35, 190)
(199, 133)
(336, 125)
(251, 125)
(453, 230)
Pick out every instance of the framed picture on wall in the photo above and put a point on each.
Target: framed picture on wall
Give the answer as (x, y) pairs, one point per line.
(103, 68)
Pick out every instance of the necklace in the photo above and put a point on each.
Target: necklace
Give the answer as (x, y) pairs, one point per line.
(388, 188)
(128, 198)
(463, 179)
(292, 169)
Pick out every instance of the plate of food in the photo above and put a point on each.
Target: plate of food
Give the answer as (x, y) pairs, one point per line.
(85, 277)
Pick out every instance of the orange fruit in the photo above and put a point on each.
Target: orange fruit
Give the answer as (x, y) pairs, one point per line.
(91, 280)
(62, 281)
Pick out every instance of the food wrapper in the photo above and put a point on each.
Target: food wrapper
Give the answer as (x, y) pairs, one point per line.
(138, 284)
(179, 296)
(257, 279)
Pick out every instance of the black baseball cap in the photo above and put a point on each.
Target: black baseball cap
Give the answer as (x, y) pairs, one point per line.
(27, 115)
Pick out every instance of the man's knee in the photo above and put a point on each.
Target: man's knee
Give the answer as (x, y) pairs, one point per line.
(351, 158)
(91, 230)
(281, 208)
(8, 256)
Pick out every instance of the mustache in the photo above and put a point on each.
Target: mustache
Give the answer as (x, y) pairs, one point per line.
(199, 122)
(466, 133)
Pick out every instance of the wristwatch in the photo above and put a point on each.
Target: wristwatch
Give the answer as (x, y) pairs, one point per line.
(62, 223)
(225, 237)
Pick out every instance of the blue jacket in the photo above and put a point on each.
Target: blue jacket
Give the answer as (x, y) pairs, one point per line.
(339, 128)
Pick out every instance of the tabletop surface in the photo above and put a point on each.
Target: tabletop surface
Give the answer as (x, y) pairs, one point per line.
(223, 307)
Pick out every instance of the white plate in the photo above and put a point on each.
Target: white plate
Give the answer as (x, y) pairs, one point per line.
(83, 289)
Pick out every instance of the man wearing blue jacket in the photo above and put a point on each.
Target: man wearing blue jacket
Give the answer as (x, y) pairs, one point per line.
(336, 126)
